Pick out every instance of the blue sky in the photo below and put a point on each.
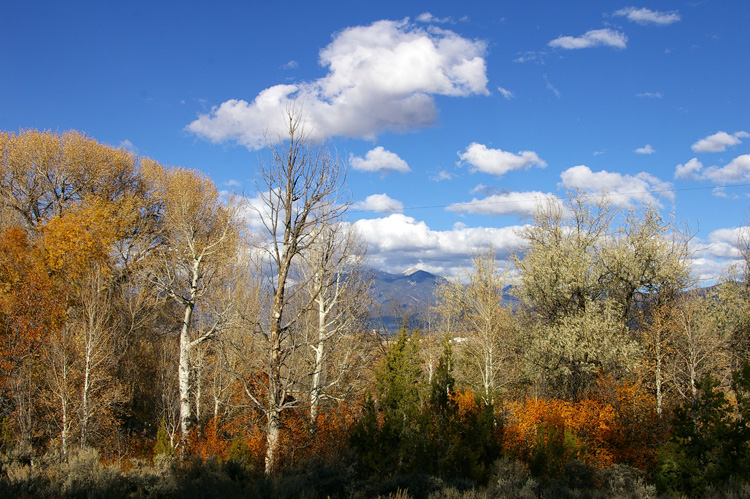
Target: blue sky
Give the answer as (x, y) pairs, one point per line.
(454, 118)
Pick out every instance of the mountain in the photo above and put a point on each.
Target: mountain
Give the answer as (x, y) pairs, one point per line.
(404, 293)
(409, 294)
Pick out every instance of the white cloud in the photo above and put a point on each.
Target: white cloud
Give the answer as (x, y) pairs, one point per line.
(232, 183)
(127, 145)
(379, 160)
(442, 175)
(398, 242)
(290, 65)
(380, 77)
(497, 161)
(506, 93)
(380, 203)
(426, 17)
(738, 170)
(689, 170)
(511, 203)
(647, 149)
(551, 88)
(623, 190)
(594, 38)
(719, 141)
(646, 16)
(650, 95)
(713, 257)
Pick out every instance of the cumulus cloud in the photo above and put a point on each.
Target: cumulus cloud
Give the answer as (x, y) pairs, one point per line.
(290, 65)
(647, 149)
(738, 170)
(688, 170)
(594, 38)
(650, 95)
(510, 203)
(645, 16)
(380, 203)
(497, 161)
(719, 141)
(380, 77)
(379, 160)
(398, 242)
(623, 190)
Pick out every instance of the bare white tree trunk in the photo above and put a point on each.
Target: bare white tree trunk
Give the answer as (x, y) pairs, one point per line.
(184, 374)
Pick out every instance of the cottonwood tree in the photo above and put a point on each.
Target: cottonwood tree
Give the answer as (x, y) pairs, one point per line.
(199, 236)
(299, 190)
(42, 174)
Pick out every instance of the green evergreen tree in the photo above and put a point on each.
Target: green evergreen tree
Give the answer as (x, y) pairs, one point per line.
(709, 441)
(393, 445)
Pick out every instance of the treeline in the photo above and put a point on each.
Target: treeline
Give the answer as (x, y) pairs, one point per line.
(160, 339)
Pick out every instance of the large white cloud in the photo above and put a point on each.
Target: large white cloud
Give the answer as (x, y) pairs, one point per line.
(511, 203)
(380, 77)
(398, 242)
(737, 170)
(497, 161)
(622, 190)
(381, 203)
(594, 38)
(719, 141)
(645, 16)
(379, 160)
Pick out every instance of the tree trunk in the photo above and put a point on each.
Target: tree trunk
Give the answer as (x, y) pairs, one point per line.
(184, 377)
(272, 442)
(317, 378)
(657, 374)
(85, 393)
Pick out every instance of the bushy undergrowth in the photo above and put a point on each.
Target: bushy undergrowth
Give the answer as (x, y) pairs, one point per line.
(83, 476)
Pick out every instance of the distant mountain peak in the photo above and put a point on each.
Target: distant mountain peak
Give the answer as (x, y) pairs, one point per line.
(412, 270)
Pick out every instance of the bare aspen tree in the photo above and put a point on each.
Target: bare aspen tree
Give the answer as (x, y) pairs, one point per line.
(94, 322)
(298, 188)
(338, 292)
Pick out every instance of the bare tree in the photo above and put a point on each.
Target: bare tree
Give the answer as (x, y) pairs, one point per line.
(338, 290)
(298, 188)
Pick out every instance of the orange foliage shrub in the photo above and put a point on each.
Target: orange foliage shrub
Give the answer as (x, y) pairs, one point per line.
(615, 423)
